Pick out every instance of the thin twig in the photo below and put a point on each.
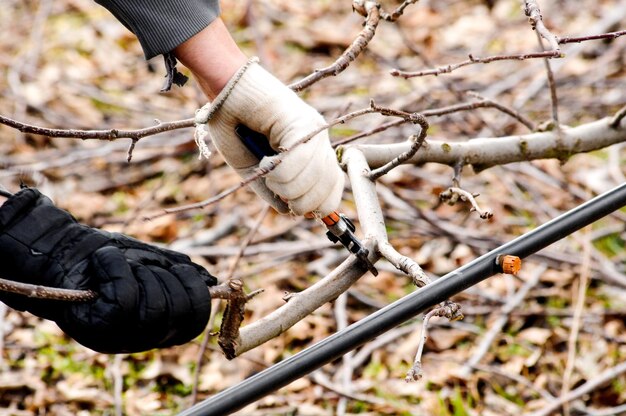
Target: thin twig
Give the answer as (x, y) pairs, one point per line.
(118, 384)
(382, 127)
(554, 100)
(416, 143)
(45, 292)
(475, 60)
(346, 370)
(393, 16)
(609, 35)
(415, 373)
(610, 17)
(578, 311)
(531, 9)
(447, 309)
(350, 54)
(487, 102)
(110, 134)
(573, 39)
(437, 112)
(463, 123)
(131, 148)
(404, 264)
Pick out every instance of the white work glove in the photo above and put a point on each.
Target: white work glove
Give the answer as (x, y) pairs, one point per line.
(309, 178)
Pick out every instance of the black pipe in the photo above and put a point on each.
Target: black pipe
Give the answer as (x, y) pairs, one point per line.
(333, 347)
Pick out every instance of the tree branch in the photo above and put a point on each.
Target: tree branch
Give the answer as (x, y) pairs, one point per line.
(372, 10)
(438, 112)
(475, 60)
(531, 9)
(447, 309)
(233, 316)
(109, 134)
(554, 99)
(609, 35)
(301, 304)
(454, 193)
(45, 292)
(339, 280)
(399, 11)
(552, 39)
(403, 263)
(416, 143)
(483, 153)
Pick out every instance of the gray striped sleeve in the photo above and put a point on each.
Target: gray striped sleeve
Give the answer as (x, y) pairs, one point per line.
(162, 25)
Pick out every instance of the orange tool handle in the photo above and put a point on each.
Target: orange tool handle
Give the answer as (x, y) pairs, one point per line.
(332, 218)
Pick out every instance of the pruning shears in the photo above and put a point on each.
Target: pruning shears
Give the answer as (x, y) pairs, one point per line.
(340, 228)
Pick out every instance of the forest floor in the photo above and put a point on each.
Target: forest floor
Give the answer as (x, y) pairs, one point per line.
(70, 64)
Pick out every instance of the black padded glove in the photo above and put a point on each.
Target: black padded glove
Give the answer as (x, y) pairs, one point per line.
(148, 297)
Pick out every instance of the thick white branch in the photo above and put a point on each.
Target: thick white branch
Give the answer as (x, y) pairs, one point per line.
(371, 216)
(365, 197)
(300, 305)
(331, 286)
(483, 153)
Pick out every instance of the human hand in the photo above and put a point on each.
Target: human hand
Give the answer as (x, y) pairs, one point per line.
(309, 177)
(147, 297)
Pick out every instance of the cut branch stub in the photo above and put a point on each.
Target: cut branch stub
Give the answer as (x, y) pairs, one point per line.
(234, 313)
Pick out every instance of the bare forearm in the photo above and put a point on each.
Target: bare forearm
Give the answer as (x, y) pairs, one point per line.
(212, 56)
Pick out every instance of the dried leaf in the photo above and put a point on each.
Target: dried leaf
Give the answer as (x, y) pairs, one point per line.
(537, 336)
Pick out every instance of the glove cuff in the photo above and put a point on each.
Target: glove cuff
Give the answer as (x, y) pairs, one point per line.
(206, 112)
